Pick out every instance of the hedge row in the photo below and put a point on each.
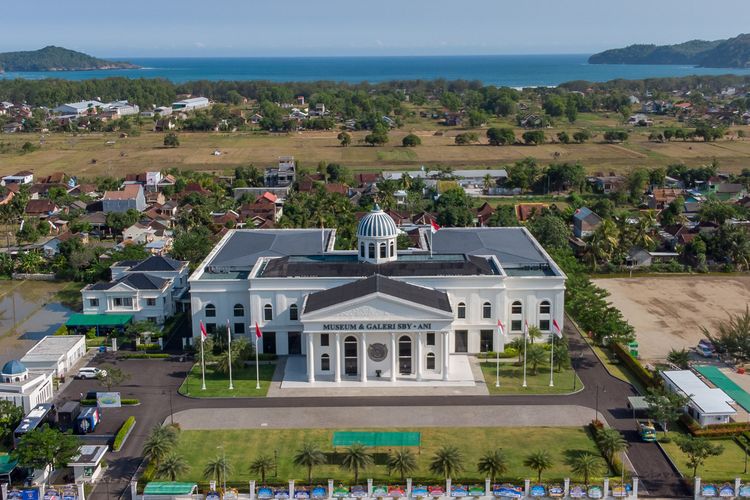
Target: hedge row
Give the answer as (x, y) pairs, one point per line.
(124, 402)
(123, 433)
(646, 377)
(615, 464)
(145, 355)
(148, 347)
(508, 353)
(715, 431)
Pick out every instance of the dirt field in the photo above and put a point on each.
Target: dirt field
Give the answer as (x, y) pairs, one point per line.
(667, 312)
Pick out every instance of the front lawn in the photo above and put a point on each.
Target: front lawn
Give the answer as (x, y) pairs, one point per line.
(723, 468)
(243, 446)
(511, 379)
(217, 384)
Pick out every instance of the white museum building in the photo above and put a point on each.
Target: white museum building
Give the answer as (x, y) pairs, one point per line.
(377, 313)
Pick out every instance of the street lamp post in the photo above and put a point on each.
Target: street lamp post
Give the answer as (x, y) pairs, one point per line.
(275, 463)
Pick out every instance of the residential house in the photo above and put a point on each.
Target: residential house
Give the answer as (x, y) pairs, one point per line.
(22, 177)
(640, 257)
(142, 234)
(727, 191)
(284, 174)
(319, 110)
(52, 247)
(606, 184)
(191, 104)
(150, 290)
(484, 213)
(660, 198)
(131, 197)
(525, 211)
(79, 108)
(266, 206)
(40, 208)
(12, 127)
(585, 222)
(640, 120)
(255, 118)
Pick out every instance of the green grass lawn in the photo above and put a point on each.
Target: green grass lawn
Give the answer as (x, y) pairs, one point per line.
(511, 379)
(723, 468)
(243, 446)
(217, 384)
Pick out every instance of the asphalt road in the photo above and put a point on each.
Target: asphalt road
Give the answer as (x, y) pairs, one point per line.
(155, 383)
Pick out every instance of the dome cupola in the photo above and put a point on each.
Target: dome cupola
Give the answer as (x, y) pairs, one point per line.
(14, 371)
(377, 234)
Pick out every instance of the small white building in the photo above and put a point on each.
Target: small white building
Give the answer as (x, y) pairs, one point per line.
(191, 104)
(707, 405)
(23, 387)
(56, 353)
(87, 466)
(22, 177)
(78, 108)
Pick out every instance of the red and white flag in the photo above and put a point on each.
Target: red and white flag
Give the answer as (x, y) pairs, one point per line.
(525, 329)
(557, 329)
(258, 333)
(434, 227)
(501, 327)
(204, 335)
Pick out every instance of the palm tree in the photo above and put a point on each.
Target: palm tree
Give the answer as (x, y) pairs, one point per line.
(534, 333)
(402, 461)
(681, 358)
(492, 464)
(171, 467)
(488, 183)
(217, 468)
(604, 241)
(160, 443)
(585, 465)
(447, 461)
(538, 461)
(356, 458)
(611, 442)
(517, 344)
(535, 355)
(309, 455)
(261, 466)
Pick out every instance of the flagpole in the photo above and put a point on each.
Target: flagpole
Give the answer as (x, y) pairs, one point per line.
(257, 367)
(525, 341)
(229, 353)
(432, 231)
(552, 361)
(497, 358)
(203, 365)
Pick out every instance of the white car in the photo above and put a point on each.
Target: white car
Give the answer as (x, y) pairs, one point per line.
(90, 372)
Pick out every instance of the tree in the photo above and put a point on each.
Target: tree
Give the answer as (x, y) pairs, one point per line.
(698, 450)
(446, 462)
(454, 208)
(610, 442)
(581, 136)
(411, 140)
(585, 465)
(402, 461)
(111, 376)
(30, 262)
(536, 355)
(636, 182)
(217, 468)
(500, 136)
(10, 416)
(192, 245)
(563, 137)
(492, 464)
(615, 136)
(533, 137)
(466, 138)
(161, 441)
(379, 135)
(732, 336)
(171, 467)
(538, 461)
(46, 447)
(261, 466)
(665, 406)
(550, 230)
(344, 138)
(356, 458)
(308, 456)
(715, 211)
(680, 358)
(171, 140)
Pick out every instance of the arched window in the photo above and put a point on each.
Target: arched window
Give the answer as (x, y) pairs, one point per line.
(461, 310)
(516, 308)
(486, 310)
(325, 363)
(293, 312)
(393, 250)
(544, 315)
(544, 307)
(210, 311)
(362, 249)
(383, 250)
(350, 355)
(404, 355)
(371, 250)
(267, 312)
(516, 316)
(430, 360)
(239, 310)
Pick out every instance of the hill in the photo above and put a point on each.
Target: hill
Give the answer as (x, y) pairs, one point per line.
(731, 53)
(53, 58)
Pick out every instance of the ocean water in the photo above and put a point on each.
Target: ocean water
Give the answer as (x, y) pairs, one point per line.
(508, 70)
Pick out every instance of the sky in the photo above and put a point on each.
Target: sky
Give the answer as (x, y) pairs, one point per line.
(231, 28)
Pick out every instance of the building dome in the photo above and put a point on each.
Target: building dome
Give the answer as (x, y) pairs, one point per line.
(377, 224)
(14, 367)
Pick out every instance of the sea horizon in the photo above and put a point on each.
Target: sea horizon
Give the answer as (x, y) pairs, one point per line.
(519, 70)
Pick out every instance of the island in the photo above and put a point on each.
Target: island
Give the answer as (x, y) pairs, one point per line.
(730, 53)
(53, 58)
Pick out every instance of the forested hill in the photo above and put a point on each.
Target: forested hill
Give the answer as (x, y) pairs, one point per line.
(731, 53)
(53, 58)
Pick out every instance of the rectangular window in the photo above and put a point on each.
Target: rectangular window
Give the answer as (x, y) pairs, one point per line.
(93, 302)
(151, 302)
(516, 308)
(210, 327)
(239, 328)
(461, 343)
(123, 302)
(430, 361)
(267, 313)
(324, 340)
(430, 338)
(293, 316)
(382, 251)
(485, 340)
(515, 325)
(487, 311)
(544, 325)
(544, 308)
(325, 363)
(151, 319)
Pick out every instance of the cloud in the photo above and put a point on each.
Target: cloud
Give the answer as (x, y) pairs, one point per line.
(199, 45)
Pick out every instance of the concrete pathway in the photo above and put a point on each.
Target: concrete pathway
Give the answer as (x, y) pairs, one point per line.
(385, 416)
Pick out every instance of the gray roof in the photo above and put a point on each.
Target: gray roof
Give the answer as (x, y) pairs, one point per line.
(585, 214)
(158, 263)
(139, 281)
(244, 247)
(512, 245)
(378, 284)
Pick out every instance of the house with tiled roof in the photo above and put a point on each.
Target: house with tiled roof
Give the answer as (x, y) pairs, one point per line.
(130, 197)
(40, 208)
(525, 211)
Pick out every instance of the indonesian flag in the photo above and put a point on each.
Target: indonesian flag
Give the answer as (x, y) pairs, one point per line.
(501, 327)
(525, 329)
(204, 335)
(258, 333)
(434, 227)
(557, 330)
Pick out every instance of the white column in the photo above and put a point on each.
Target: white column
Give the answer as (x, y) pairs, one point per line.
(363, 357)
(394, 357)
(446, 353)
(310, 357)
(337, 360)
(418, 364)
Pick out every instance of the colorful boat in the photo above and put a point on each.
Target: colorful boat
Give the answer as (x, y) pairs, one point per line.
(301, 494)
(281, 494)
(476, 491)
(507, 491)
(264, 493)
(319, 492)
(396, 492)
(231, 494)
(70, 492)
(15, 495)
(726, 490)
(358, 491)
(538, 491)
(419, 491)
(380, 491)
(436, 491)
(709, 490)
(341, 491)
(556, 491)
(745, 490)
(619, 491)
(213, 495)
(595, 492)
(51, 495)
(459, 491)
(577, 491)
